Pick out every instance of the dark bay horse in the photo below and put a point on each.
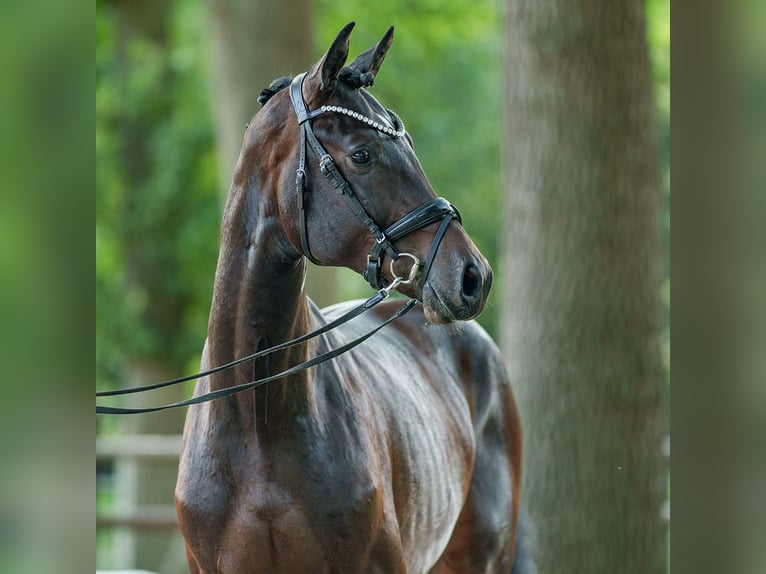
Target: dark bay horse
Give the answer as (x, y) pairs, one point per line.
(402, 455)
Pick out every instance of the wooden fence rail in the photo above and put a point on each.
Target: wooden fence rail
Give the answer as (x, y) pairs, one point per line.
(143, 448)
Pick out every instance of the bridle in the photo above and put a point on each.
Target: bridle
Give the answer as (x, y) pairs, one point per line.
(425, 214)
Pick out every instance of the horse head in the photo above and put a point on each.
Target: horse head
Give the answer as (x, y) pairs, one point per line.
(373, 182)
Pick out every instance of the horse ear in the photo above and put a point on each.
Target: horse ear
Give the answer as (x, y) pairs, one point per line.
(369, 62)
(334, 59)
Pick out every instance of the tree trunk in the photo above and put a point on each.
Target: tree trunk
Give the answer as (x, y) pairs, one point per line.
(581, 318)
(254, 42)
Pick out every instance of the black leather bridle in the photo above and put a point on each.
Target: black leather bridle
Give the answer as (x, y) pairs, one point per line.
(429, 212)
(425, 214)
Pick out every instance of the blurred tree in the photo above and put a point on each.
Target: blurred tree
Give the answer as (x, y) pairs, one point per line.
(582, 259)
(255, 41)
(157, 215)
(143, 23)
(155, 227)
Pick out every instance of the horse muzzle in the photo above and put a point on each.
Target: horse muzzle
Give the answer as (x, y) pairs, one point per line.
(457, 292)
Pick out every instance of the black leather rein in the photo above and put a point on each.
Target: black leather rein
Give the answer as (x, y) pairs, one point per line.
(437, 209)
(227, 391)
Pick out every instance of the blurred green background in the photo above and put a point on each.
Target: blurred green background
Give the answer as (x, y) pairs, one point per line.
(161, 177)
(159, 199)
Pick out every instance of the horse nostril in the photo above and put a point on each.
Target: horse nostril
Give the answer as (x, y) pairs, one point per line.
(471, 282)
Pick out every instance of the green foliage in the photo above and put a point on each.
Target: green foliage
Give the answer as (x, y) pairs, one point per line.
(157, 210)
(658, 42)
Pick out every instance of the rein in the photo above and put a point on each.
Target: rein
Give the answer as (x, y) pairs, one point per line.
(427, 213)
(207, 397)
(380, 296)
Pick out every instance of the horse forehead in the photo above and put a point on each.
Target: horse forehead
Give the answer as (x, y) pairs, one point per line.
(369, 99)
(362, 101)
(376, 109)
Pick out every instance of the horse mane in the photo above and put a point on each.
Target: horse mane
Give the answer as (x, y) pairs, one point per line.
(349, 75)
(276, 86)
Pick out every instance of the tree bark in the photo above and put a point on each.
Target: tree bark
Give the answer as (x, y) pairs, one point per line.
(254, 42)
(581, 318)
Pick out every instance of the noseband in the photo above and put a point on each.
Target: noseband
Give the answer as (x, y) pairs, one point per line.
(425, 214)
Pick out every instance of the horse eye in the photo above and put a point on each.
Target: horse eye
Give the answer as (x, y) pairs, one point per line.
(361, 157)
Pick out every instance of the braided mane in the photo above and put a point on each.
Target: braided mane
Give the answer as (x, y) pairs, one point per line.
(274, 87)
(355, 78)
(348, 75)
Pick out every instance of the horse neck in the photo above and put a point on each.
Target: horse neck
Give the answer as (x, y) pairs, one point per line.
(258, 301)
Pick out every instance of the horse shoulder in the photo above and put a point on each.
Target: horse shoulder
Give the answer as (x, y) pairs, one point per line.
(485, 531)
(482, 372)
(467, 355)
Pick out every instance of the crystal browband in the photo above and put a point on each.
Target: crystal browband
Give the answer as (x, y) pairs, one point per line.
(369, 121)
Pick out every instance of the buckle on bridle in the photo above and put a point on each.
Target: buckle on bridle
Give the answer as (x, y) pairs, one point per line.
(326, 164)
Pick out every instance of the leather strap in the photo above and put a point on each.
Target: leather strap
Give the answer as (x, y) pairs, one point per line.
(301, 111)
(345, 318)
(330, 171)
(435, 243)
(422, 216)
(227, 391)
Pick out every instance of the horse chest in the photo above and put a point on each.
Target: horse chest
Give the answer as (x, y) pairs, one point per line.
(291, 509)
(377, 487)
